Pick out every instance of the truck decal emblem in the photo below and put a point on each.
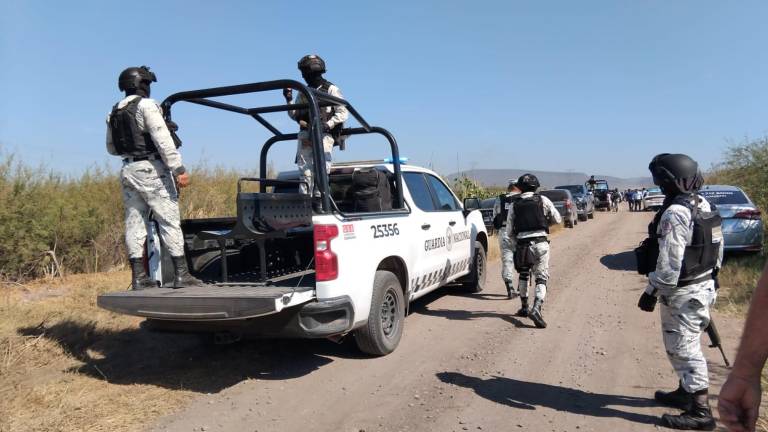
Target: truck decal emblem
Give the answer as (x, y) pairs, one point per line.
(349, 231)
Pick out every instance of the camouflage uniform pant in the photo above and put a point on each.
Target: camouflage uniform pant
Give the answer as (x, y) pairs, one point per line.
(507, 257)
(684, 316)
(306, 162)
(539, 270)
(149, 185)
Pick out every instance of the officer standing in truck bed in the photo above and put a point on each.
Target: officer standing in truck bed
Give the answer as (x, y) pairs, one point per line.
(152, 167)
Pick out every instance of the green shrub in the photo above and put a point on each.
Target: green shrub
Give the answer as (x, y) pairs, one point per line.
(466, 187)
(745, 165)
(78, 220)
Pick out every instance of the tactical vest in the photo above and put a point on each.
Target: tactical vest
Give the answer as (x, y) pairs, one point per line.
(127, 138)
(529, 214)
(505, 201)
(338, 139)
(700, 255)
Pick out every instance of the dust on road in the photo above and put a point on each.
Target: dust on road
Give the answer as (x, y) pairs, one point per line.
(465, 363)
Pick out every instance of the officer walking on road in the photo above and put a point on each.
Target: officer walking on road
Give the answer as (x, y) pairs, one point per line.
(500, 211)
(152, 168)
(312, 68)
(690, 251)
(528, 221)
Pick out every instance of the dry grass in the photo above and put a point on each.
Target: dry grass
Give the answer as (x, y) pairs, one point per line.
(59, 365)
(738, 279)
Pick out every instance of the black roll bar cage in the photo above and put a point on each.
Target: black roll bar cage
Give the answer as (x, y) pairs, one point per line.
(315, 101)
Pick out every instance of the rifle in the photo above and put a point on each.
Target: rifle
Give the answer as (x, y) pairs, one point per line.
(715, 342)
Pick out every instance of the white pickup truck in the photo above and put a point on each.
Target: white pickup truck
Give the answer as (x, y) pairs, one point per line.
(384, 235)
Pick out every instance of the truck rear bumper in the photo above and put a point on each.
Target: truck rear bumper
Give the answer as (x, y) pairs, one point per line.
(248, 315)
(205, 303)
(325, 318)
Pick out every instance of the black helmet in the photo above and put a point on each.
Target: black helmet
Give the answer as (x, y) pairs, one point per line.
(676, 173)
(312, 63)
(528, 183)
(133, 77)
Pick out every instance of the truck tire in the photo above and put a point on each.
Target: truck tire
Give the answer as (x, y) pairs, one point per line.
(381, 334)
(474, 282)
(591, 215)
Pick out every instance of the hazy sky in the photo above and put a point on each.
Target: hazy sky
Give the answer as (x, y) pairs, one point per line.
(592, 86)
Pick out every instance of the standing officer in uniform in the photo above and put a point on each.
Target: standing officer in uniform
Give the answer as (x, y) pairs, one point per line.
(312, 68)
(690, 251)
(137, 132)
(528, 221)
(500, 210)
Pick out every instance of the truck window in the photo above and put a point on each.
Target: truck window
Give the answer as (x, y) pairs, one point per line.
(445, 199)
(420, 193)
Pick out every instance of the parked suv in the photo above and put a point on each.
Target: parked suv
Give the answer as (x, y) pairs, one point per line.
(584, 199)
(563, 201)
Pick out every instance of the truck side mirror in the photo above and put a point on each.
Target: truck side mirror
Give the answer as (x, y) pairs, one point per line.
(471, 204)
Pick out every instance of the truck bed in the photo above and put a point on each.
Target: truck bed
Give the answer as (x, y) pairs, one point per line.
(211, 302)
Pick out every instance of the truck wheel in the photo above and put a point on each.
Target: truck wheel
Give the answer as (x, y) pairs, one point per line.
(381, 334)
(591, 215)
(474, 282)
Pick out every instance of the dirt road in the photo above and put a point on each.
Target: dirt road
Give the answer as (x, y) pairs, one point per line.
(465, 363)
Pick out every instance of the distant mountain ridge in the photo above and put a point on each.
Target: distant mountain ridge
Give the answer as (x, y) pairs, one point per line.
(549, 179)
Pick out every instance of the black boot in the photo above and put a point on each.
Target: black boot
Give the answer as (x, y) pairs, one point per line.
(698, 417)
(511, 291)
(182, 278)
(139, 278)
(679, 398)
(535, 314)
(523, 312)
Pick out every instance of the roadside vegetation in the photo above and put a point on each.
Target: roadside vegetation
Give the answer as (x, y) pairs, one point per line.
(744, 165)
(52, 224)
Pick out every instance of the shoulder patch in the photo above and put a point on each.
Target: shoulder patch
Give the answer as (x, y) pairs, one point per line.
(665, 228)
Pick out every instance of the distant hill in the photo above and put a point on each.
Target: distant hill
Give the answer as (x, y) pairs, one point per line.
(548, 179)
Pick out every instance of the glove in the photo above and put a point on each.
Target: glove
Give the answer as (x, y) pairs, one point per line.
(497, 221)
(647, 302)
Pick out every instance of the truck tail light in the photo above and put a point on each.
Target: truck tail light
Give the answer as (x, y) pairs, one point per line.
(748, 214)
(326, 262)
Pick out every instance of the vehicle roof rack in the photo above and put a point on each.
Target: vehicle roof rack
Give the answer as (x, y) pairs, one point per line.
(315, 100)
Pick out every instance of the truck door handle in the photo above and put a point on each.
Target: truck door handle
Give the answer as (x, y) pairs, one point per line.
(452, 223)
(425, 226)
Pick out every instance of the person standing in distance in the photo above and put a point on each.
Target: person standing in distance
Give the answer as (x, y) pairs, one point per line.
(312, 68)
(152, 168)
(739, 402)
(500, 210)
(528, 221)
(690, 252)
